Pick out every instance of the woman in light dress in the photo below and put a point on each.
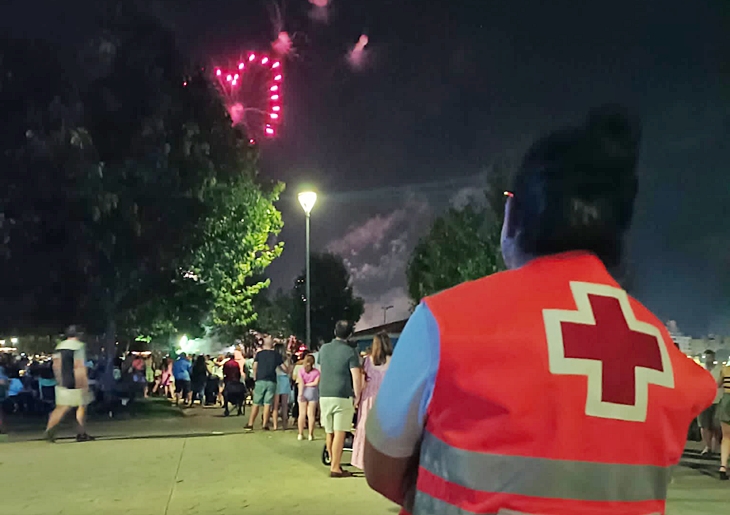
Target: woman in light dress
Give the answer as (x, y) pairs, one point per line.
(375, 366)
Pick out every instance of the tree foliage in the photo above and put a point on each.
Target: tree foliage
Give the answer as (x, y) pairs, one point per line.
(462, 244)
(332, 298)
(129, 203)
(237, 247)
(273, 314)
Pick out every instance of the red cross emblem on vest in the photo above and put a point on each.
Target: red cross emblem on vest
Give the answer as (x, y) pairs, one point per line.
(602, 340)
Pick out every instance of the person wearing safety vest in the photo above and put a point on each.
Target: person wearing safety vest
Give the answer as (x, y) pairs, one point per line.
(545, 389)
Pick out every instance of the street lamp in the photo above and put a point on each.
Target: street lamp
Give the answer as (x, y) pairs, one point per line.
(385, 313)
(307, 199)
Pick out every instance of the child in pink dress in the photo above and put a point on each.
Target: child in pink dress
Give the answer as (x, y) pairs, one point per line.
(375, 366)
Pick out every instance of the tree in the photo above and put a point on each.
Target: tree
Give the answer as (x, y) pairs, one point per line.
(238, 245)
(273, 314)
(129, 203)
(332, 298)
(43, 149)
(462, 244)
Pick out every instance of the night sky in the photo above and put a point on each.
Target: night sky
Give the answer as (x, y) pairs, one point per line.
(450, 87)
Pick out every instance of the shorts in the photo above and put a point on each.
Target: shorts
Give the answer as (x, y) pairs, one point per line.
(723, 409)
(310, 394)
(337, 414)
(264, 392)
(283, 385)
(72, 397)
(708, 418)
(182, 386)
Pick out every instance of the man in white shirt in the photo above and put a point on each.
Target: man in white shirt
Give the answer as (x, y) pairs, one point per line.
(72, 384)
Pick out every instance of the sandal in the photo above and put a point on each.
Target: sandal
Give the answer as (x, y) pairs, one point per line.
(723, 474)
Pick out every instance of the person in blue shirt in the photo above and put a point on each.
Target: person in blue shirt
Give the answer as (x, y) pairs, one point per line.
(3, 388)
(181, 372)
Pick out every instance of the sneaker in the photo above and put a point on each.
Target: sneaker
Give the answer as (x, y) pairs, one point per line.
(248, 428)
(85, 438)
(300, 437)
(311, 438)
(50, 435)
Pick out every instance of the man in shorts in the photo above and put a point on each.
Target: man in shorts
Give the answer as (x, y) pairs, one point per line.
(339, 392)
(72, 384)
(181, 372)
(708, 421)
(265, 363)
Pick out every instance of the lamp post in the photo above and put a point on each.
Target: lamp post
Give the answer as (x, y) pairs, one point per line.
(307, 199)
(385, 313)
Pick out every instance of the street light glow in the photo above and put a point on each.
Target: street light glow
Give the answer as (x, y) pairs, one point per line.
(307, 199)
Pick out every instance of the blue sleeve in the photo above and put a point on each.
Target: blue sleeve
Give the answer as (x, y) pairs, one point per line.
(395, 424)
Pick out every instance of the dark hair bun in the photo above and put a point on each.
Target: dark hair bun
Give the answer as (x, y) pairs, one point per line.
(614, 136)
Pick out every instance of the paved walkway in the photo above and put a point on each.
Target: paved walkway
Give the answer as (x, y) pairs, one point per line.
(183, 466)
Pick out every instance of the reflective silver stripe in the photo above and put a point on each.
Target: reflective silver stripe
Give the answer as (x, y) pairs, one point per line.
(427, 505)
(543, 477)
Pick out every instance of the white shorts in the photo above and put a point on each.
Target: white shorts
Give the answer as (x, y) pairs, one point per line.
(337, 414)
(73, 397)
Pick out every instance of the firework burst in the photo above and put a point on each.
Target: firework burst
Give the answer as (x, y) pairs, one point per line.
(251, 88)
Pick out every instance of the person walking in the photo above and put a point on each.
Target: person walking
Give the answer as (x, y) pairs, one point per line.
(4, 383)
(374, 368)
(234, 389)
(453, 434)
(181, 370)
(265, 363)
(72, 385)
(339, 390)
(723, 416)
(708, 420)
(308, 379)
(149, 371)
(283, 388)
(198, 380)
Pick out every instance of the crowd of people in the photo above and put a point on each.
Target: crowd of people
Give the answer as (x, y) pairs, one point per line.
(333, 386)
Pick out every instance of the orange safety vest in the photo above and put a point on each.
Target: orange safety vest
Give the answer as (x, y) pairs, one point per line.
(556, 394)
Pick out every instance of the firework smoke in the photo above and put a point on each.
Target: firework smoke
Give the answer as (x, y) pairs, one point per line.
(320, 10)
(357, 57)
(283, 44)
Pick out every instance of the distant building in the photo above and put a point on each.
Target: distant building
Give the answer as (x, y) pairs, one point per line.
(364, 338)
(696, 347)
(683, 342)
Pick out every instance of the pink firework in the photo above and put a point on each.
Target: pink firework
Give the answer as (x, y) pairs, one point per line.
(320, 10)
(357, 56)
(283, 44)
(252, 92)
